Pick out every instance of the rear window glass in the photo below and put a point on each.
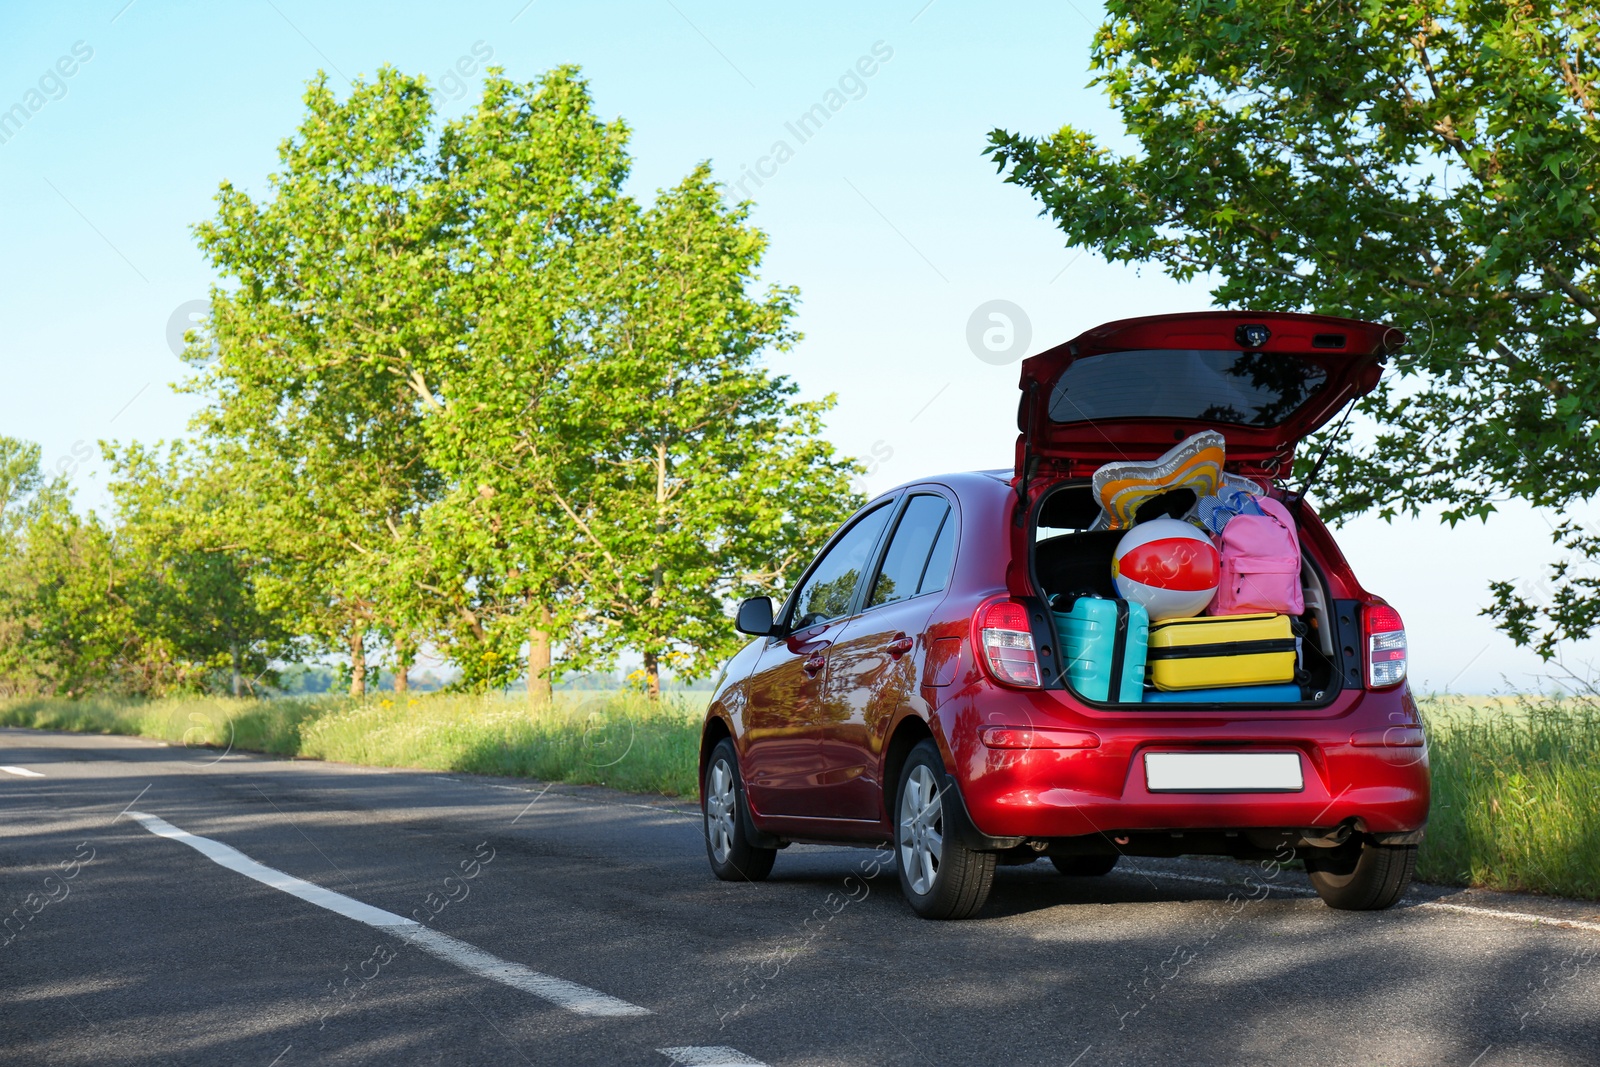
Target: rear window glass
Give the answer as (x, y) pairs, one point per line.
(1241, 388)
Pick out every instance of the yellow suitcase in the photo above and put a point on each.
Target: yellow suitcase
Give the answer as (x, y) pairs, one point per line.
(1221, 650)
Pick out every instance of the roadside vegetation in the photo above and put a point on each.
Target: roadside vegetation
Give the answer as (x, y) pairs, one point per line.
(1516, 795)
(1516, 781)
(622, 740)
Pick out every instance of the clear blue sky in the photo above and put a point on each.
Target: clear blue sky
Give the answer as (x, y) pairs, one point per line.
(888, 218)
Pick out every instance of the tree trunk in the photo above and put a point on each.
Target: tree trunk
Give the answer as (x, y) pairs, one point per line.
(238, 678)
(403, 655)
(540, 688)
(652, 675)
(358, 663)
(652, 665)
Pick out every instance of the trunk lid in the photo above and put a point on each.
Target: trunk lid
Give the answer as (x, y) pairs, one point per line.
(1133, 388)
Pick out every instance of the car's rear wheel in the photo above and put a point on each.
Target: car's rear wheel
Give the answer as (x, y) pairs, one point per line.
(1360, 875)
(733, 857)
(941, 877)
(1085, 866)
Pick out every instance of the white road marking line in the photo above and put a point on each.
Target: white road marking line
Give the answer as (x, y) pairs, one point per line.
(558, 991)
(709, 1056)
(1512, 916)
(1438, 905)
(21, 772)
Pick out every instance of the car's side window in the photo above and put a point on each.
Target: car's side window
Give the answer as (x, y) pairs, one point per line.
(826, 593)
(937, 571)
(901, 575)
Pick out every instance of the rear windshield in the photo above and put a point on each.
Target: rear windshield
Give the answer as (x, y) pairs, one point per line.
(1242, 388)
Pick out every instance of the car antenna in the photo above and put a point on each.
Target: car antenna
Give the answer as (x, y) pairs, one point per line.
(1316, 468)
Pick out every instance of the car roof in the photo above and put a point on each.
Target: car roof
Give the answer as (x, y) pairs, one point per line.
(956, 481)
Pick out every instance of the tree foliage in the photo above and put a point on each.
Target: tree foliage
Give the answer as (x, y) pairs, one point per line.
(146, 604)
(470, 393)
(311, 406)
(1432, 164)
(190, 584)
(460, 390)
(701, 478)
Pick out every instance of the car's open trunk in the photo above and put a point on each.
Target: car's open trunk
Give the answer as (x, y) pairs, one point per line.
(1071, 558)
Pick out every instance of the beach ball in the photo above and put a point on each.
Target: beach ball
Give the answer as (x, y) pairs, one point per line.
(1168, 566)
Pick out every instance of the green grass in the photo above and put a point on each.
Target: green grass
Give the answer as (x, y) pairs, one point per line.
(613, 739)
(1516, 781)
(1516, 795)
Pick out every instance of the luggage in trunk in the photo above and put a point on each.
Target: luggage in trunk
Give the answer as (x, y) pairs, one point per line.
(1286, 693)
(1222, 650)
(1102, 640)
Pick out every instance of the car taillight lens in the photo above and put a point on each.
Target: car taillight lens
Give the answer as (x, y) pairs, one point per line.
(1008, 643)
(1393, 737)
(1386, 647)
(1038, 737)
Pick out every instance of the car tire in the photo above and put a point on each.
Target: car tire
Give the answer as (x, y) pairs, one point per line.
(1360, 875)
(941, 877)
(726, 821)
(1085, 866)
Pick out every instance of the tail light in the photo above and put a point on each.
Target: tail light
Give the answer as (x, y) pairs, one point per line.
(1393, 737)
(1386, 646)
(1031, 737)
(1007, 643)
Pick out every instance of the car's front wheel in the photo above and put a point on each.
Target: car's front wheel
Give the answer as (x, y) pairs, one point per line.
(1360, 875)
(941, 877)
(733, 857)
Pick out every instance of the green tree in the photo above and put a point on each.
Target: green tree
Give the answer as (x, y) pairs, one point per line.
(691, 474)
(188, 583)
(42, 547)
(318, 341)
(65, 628)
(24, 490)
(143, 606)
(532, 177)
(467, 392)
(1430, 164)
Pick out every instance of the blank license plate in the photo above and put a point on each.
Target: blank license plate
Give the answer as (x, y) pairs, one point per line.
(1223, 772)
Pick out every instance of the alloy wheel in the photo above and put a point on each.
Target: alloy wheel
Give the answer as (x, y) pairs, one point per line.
(721, 803)
(921, 829)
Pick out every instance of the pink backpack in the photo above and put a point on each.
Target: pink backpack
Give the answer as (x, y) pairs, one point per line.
(1260, 564)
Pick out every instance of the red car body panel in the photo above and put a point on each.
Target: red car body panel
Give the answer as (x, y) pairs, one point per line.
(817, 749)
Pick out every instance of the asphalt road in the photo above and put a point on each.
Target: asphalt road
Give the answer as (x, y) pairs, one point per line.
(423, 918)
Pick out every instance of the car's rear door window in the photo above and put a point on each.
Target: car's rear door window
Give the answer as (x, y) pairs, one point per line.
(937, 571)
(827, 591)
(907, 562)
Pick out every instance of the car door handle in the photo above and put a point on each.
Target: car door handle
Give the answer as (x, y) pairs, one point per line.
(900, 645)
(813, 663)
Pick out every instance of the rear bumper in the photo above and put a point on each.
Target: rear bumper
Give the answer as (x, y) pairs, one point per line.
(1053, 793)
(1396, 803)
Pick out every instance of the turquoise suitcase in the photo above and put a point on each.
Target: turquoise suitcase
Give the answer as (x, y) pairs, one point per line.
(1284, 693)
(1101, 639)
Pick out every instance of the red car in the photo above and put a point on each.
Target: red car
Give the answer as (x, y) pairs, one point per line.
(909, 692)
